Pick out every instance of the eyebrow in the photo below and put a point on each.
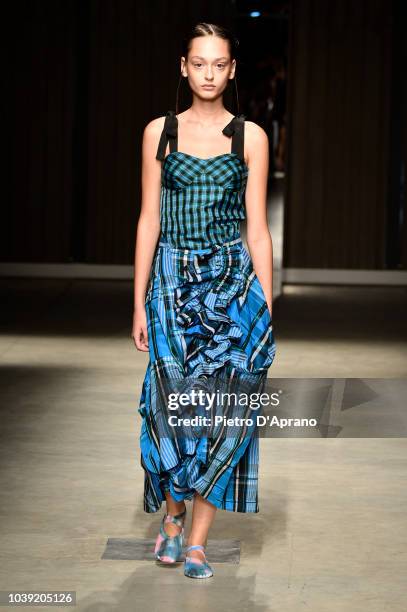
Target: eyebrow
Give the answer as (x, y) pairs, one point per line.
(215, 60)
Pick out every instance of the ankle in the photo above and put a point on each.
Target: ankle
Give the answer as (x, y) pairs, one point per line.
(196, 541)
(173, 522)
(175, 509)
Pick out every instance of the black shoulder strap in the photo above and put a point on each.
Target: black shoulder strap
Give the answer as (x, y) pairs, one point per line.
(169, 132)
(235, 128)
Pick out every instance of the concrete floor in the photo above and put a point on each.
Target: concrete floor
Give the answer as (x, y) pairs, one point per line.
(331, 535)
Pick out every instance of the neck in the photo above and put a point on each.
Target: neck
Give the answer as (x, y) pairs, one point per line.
(207, 113)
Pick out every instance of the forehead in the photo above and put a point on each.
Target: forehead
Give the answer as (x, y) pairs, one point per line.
(209, 47)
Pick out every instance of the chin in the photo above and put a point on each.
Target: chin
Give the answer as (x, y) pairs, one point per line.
(209, 95)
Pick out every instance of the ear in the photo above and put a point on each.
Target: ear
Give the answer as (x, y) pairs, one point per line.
(233, 69)
(183, 67)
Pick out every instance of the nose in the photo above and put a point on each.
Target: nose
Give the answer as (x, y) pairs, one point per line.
(209, 74)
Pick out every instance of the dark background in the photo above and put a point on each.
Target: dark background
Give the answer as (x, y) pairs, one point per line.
(82, 78)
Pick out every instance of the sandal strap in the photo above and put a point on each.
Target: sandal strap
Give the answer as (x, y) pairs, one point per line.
(195, 547)
(177, 519)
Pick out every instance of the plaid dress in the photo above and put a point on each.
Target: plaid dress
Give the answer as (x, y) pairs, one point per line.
(207, 321)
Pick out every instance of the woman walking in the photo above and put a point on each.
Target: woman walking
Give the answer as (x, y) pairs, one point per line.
(202, 303)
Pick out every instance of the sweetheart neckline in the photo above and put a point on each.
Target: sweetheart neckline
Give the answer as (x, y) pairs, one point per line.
(205, 159)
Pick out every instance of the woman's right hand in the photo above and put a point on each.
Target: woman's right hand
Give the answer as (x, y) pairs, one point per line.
(139, 332)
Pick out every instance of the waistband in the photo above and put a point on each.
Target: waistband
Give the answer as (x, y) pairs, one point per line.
(214, 247)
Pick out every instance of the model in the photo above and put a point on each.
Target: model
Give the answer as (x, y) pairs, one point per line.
(202, 303)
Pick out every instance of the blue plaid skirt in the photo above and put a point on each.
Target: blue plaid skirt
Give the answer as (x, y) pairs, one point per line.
(207, 318)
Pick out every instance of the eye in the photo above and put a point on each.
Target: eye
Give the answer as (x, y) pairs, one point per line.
(221, 66)
(197, 65)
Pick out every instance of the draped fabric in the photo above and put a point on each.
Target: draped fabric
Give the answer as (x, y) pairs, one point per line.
(208, 326)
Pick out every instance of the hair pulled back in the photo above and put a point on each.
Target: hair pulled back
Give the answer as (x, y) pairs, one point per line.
(209, 29)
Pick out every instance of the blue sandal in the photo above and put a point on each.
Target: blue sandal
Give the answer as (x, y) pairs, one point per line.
(168, 549)
(195, 568)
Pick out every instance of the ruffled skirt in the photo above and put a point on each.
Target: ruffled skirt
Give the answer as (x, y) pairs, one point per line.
(207, 320)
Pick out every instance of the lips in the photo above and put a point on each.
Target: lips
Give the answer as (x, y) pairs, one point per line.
(208, 86)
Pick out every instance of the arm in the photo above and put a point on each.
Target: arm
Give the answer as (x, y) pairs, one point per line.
(258, 235)
(148, 228)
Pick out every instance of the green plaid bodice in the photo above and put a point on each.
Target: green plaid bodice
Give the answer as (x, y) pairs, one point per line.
(202, 200)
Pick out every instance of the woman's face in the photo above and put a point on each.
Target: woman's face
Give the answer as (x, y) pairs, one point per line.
(208, 67)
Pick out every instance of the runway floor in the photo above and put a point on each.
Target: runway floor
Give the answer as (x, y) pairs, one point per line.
(331, 534)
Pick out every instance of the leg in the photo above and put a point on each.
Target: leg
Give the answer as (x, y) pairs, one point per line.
(169, 541)
(173, 507)
(195, 564)
(203, 514)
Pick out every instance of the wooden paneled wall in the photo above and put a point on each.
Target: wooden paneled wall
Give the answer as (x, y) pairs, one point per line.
(38, 117)
(338, 150)
(84, 77)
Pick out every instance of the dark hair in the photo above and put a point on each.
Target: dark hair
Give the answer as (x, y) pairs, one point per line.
(210, 29)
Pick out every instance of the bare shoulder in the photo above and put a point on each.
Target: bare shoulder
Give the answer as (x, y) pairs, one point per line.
(255, 135)
(154, 128)
(256, 142)
(151, 137)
